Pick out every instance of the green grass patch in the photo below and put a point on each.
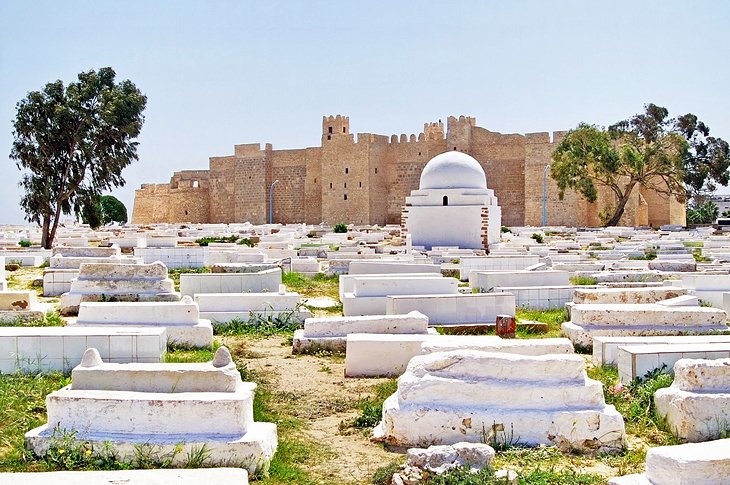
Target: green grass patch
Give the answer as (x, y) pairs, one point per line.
(182, 354)
(693, 244)
(51, 319)
(22, 408)
(579, 280)
(371, 408)
(174, 274)
(259, 325)
(553, 317)
(312, 286)
(635, 402)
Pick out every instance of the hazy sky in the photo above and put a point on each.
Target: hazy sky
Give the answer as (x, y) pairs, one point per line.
(219, 73)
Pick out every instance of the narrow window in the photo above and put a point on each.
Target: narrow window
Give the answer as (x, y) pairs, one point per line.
(360, 184)
(454, 148)
(345, 184)
(330, 185)
(376, 169)
(315, 180)
(329, 137)
(345, 196)
(446, 200)
(347, 170)
(344, 130)
(186, 212)
(330, 130)
(419, 154)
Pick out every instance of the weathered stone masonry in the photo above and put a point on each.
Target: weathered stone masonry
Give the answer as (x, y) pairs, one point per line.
(365, 180)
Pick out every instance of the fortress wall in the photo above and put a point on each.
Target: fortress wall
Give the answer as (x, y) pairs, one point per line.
(289, 167)
(222, 189)
(252, 176)
(344, 167)
(313, 186)
(406, 162)
(374, 184)
(503, 160)
(150, 204)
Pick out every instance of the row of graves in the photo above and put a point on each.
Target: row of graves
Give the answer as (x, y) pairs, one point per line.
(646, 300)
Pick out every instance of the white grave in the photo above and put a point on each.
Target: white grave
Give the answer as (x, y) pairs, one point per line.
(467, 395)
(119, 282)
(20, 306)
(331, 332)
(181, 407)
(589, 320)
(697, 404)
(180, 318)
(224, 307)
(689, 464)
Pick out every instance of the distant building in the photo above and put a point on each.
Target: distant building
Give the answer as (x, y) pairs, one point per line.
(366, 179)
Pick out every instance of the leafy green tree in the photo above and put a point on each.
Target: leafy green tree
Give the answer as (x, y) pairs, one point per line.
(706, 213)
(108, 209)
(671, 156)
(72, 142)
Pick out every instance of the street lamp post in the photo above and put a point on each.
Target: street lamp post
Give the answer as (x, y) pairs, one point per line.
(544, 195)
(271, 201)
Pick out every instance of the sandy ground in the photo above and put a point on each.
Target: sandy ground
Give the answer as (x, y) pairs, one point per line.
(318, 393)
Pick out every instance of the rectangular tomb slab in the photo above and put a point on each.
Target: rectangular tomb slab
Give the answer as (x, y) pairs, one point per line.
(645, 315)
(636, 360)
(689, 464)
(605, 349)
(451, 309)
(626, 295)
(144, 313)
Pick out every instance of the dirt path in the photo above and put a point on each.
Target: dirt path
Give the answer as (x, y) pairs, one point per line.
(318, 393)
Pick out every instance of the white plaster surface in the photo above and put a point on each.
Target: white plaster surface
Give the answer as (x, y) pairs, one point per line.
(189, 406)
(451, 309)
(436, 402)
(697, 404)
(219, 476)
(605, 349)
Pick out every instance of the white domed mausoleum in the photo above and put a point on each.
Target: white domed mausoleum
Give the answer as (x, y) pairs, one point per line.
(452, 206)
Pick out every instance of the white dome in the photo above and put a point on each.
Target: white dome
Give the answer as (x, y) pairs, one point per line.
(453, 170)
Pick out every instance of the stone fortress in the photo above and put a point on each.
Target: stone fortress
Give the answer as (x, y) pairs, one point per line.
(365, 179)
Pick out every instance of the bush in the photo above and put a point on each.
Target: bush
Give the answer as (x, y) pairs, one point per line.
(537, 237)
(24, 243)
(505, 229)
(340, 228)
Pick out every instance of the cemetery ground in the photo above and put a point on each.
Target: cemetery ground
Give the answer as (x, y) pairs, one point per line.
(324, 419)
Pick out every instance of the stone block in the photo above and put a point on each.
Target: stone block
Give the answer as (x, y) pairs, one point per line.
(175, 408)
(331, 332)
(636, 360)
(697, 404)
(605, 349)
(705, 463)
(531, 411)
(454, 309)
(626, 295)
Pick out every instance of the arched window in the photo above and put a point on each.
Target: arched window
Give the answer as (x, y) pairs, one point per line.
(446, 200)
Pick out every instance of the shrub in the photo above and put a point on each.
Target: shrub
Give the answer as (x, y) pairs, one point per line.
(24, 243)
(340, 228)
(505, 229)
(537, 237)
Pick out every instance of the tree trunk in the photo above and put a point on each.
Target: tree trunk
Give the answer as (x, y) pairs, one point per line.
(56, 219)
(622, 204)
(44, 236)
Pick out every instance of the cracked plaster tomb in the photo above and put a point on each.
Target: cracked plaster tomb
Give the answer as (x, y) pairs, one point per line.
(468, 395)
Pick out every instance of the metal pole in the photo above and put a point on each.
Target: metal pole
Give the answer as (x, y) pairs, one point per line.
(544, 195)
(271, 201)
